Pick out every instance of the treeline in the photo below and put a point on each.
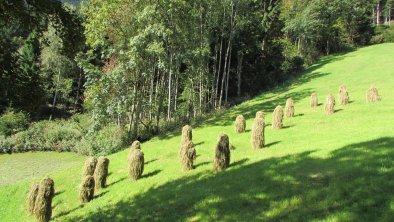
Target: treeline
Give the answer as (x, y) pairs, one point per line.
(145, 66)
(39, 42)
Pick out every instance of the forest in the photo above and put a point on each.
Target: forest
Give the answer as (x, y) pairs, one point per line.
(94, 75)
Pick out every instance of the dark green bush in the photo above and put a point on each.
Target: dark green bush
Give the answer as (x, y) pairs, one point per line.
(12, 122)
(108, 140)
(383, 33)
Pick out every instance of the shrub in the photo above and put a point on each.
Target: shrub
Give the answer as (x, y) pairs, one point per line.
(136, 161)
(101, 172)
(240, 124)
(12, 122)
(86, 192)
(108, 140)
(222, 153)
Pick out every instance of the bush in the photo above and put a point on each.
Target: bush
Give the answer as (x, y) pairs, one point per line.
(12, 122)
(108, 140)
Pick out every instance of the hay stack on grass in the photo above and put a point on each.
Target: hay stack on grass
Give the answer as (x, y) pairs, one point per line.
(330, 104)
(86, 193)
(222, 153)
(240, 124)
(289, 107)
(101, 172)
(260, 114)
(43, 203)
(258, 133)
(343, 95)
(135, 145)
(277, 118)
(90, 165)
(372, 95)
(31, 198)
(187, 155)
(314, 101)
(187, 134)
(136, 161)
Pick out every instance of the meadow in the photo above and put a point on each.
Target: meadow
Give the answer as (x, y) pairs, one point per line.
(317, 168)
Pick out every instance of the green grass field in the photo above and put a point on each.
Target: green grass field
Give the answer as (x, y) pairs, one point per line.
(318, 168)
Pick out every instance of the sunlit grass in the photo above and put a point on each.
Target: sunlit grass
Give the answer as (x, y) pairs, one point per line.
(318, 168)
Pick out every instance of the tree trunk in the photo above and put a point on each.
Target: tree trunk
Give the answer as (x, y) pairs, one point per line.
(378, 14)
(239, 73)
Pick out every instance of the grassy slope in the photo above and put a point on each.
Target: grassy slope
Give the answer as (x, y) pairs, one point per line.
(319, 168)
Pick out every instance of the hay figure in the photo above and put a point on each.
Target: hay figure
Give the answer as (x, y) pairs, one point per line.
(343, 95)
(86, 193)
(43, 204)
(314, 101)
(289, 108)
(277, 118)
(90, 165)
(258, 133)
(240, 124)
(135, 145)
(136, 161)
(187, 155)
(260, 114)
(373, 95)
(222, 153)
(187, 134)
(330, 104)
(101, 172)
(31, 198)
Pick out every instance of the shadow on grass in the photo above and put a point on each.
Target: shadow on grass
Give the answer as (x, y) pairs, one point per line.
(150, 161)
(115, 182)
(202, 164)
(355, 183)
(151, 174)
(271, 144)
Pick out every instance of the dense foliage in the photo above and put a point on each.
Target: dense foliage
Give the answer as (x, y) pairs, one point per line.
(146, 66)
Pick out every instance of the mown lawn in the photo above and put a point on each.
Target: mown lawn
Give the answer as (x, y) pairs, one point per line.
(318, 168)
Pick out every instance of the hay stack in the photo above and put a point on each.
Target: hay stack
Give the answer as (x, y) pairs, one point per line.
(135, 145)
(101, 172)
(136, 161)
(330, 104)
(86, 193)
(240, 124)
(90, 165)
(343, 95)
(289, 107)
(260, 114)
(43, 203)
(187, 155)
(222, 153)
(258, 133)
(31, 198)
(372, 95)
(277, 118)
(187, 134)
(314, 101)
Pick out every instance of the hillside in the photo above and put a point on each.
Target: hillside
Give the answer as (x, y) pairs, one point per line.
(318, 168)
